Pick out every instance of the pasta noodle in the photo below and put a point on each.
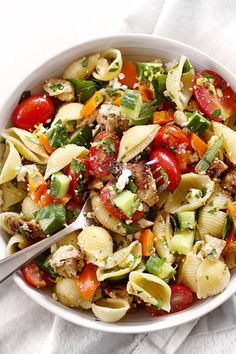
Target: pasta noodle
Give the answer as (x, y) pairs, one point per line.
(110, 310)
(68, 293)
(96, 242)
(27, 144)
(105, 218)
(62, 157)
(150, 289)
(177, 201)
(29, 207)
(15, 243)
(179, 83)
(10, 164)
(81, 68)
(109, 65)
(11, 195)
(130, 147)
(229, 139)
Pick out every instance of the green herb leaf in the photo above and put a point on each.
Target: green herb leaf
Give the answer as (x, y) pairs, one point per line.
(56, 87)
(58, 135)
(187, 66)
(208, 76)
(216, 113)
(84, 62)
(213, 211)
(84, 89)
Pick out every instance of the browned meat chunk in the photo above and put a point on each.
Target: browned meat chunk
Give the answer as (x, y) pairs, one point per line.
(216, 168)
(229, 181)
(27, 228)
(67, 261)
(110, 118)
(147, 190)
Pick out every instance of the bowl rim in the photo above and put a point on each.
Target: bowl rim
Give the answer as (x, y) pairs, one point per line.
(54, 307)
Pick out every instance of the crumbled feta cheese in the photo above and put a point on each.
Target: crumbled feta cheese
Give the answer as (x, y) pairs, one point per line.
(135, 85)
(213, 248)
(180, 118)
(123, 179)
(143, 223)
(116, 85)
(121, 76)
(30, 169)
(219, 92)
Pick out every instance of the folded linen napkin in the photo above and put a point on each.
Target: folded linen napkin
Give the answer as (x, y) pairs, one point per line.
(25, 327)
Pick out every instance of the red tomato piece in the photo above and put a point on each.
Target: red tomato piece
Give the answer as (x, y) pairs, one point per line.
(181, 298)
(165, 162)
(213, 95)
(78, 171)
(129, 71)
(33, 111)
(103, 151)
(35, 276)
(107, 193)
(172, 138)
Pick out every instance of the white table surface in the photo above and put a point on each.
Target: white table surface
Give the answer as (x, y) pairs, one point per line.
(30, 33)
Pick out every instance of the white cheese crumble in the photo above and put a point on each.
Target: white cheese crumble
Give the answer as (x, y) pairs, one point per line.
(180, 118)
(30, 169)
(115, 84)
(123, 179)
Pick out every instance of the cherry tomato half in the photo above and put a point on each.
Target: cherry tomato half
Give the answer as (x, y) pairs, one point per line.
(78, 171)
(181, 298)
(172, 138)
(103, 152)
(106, 196)
(165, 163)
(35, 276)
(213, 95)
(33, 111)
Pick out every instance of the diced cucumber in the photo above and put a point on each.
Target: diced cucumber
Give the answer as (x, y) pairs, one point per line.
(51, 218)
(182, 242)
(127, 202)
(197, 123)
(146, 71)
(43, 261)
(209, 156)
(58, 135)
(82, 137)
(59, 185)
(159, 267)
(130, 104)
(146, 113)
(187, 219)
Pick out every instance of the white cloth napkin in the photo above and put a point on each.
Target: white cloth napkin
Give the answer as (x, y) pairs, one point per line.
(25, 327)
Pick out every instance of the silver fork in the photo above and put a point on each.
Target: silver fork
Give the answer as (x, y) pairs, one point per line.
(10, 264)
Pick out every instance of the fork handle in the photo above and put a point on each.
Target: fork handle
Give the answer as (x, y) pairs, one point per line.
(10, 264)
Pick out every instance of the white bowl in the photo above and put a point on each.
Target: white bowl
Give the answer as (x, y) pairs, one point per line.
(137, 47)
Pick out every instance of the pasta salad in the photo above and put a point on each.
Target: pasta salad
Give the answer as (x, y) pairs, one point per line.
(153, 145)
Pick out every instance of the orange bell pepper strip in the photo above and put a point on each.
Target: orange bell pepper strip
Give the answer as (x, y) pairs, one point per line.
(87, 281)
(162, 117)
(231, 207)
(183, 161)
(230, 246)
(91, 104)
(44, 141)
(37, 185)
(129, 70)
(146, 239)
(146, 92)
(198, 145)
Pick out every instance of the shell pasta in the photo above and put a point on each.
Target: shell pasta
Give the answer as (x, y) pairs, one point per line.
(152, 145)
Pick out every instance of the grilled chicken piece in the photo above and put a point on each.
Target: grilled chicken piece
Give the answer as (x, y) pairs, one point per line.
(30, 229)
(67, 261)
(110, 118)
(229, 180)
(147, 190)
(216, 168)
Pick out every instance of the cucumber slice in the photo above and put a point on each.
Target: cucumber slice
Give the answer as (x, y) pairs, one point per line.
(182, 242)
(159, 267)
(82, 137)
(127, 202)
(146, 71)
(51, 218)
(130, 104)
(198, 124)
(187, 219)
(59, 185)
